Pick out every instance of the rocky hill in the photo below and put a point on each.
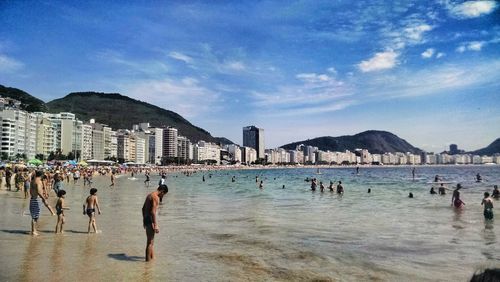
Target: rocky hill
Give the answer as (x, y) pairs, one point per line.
(377, 142)
(493, 148)
(28, 102)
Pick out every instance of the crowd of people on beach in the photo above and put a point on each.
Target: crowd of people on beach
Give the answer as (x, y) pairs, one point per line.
(40, 184)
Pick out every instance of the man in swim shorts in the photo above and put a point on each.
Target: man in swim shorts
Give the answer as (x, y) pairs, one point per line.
(36, 192)
(488, 206)
(149, 219)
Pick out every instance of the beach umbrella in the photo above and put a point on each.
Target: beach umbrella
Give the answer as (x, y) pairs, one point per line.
(83, 163)
(72, 162)
(35, 162)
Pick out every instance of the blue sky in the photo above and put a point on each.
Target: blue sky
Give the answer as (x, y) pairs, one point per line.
(427, 71)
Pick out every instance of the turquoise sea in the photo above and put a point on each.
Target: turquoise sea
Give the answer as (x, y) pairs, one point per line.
(219, 230)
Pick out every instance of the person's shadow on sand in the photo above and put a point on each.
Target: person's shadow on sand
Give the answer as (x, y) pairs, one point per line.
(16, 231)
(125, 257)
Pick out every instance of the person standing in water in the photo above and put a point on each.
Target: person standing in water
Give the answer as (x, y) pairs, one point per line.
(413, 173)
(60, 211)
(112, 180)
(340, 188)
(36, 192)
(91, 203)
(147, 181)
(149, 218)
(488, 206)
(331, 186)
(496, 193)
(455, 199)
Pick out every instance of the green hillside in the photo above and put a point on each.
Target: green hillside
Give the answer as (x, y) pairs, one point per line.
(28, 102)
(120, 111)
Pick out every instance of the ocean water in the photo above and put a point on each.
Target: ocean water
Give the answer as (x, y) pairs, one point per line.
(220, 230)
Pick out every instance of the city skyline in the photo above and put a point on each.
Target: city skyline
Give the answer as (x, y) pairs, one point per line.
(426, 72)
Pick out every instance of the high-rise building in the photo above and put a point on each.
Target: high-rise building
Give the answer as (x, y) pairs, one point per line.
(170, 142)
(158, 153)
(253, 137)
(18, 130)
(453, 149)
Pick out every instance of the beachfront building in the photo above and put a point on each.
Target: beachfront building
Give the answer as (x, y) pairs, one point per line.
(138, 149)
(248, 155)
(102, 142)
(184, 147)
(253, 137)
(158, 147)
(310, 154)
(170, 142)
(206, 151)
(123, 145)
(18, 133)
(45, 139)
(234, 152)
(86, 153)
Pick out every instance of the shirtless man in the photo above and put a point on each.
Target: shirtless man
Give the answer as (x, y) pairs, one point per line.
(91, 204)
(488, 206)
(149, 218)
(36, 192)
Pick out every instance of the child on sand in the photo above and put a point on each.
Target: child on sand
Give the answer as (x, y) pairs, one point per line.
(91, 203)
(60, 211)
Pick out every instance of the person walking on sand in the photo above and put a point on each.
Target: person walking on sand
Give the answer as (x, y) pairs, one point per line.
(36, 192)
(149, 218)
(91, 203)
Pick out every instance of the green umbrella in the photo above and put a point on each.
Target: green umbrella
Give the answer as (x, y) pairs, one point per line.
(35, 162)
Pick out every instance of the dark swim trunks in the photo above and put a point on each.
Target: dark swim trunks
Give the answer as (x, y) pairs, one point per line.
(488, 214)
(90, 212)
(147, 221)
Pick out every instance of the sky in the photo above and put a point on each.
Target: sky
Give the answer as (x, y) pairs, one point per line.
(427, 71)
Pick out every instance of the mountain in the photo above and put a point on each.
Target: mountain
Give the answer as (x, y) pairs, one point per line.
(120, 111)
(376, 142)
(28, 102)
(493, 148)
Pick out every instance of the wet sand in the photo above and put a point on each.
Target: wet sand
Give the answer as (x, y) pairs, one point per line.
(224, 231)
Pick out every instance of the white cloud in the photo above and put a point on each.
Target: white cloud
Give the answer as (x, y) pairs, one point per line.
(472, 9)
(475, 46)
(180, 57)
(415, 33)
(315, 93)
(313, 77)
(432, 81)
(428, 53)
(186, 97)
(380, 61)
(439, 55)
(471, 46)
(149, 67)
(8, 65)
(234, 65)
